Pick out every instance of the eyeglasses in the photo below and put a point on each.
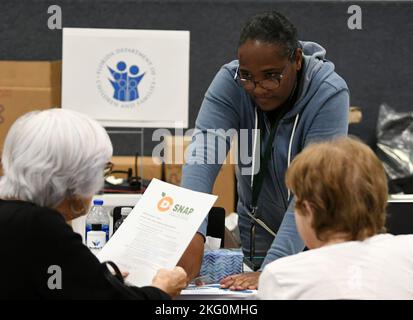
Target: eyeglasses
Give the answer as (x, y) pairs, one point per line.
(108, 169)
(272, 82)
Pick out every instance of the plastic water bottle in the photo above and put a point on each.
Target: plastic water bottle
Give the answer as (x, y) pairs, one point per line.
(96, 238)
(97, 216)
(124, 213)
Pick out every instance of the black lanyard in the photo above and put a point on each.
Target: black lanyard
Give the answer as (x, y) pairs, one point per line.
(259, 177)
(258, 181)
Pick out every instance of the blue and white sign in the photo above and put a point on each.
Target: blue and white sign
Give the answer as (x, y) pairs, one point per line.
(127, 78)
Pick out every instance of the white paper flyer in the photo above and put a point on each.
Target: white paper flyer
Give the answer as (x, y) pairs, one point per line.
(157, 231)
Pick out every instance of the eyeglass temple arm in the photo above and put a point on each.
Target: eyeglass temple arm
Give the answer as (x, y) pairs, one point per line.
(236, 73)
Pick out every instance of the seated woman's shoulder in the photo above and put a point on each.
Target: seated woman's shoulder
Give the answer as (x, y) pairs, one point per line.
(19, 213)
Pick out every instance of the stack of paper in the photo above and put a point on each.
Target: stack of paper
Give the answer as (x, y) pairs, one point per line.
(214, 292)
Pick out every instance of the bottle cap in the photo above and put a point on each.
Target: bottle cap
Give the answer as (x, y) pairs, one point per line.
(125, 211)
(97, 202)
(96, 227)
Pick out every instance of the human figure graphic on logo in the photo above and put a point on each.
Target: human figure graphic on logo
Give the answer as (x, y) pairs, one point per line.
(120, 78)
(125, 85)
(133, 83)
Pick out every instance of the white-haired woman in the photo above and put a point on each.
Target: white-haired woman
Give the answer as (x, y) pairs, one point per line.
(53, 164)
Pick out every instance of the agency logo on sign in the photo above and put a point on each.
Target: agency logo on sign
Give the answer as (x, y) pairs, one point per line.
(125, 82)
(126, 78)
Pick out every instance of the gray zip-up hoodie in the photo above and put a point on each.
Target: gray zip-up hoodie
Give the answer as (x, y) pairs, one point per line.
(319, 113)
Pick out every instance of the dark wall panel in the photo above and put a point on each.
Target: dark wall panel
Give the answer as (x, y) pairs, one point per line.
(375, 61)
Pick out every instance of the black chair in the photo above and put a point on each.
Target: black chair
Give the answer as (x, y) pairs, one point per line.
(216, 224)
(399, 217)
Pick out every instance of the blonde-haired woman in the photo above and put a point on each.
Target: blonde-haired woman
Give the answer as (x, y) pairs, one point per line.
(340, 211)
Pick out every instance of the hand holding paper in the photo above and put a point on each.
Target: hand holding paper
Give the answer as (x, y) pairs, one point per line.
(171, 281)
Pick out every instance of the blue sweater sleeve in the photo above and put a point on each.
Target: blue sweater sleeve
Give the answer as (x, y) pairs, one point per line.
(330, 122)
(217, 121)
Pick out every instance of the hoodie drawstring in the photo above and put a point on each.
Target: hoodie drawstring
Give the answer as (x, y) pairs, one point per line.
(290, 147)
(254, 148)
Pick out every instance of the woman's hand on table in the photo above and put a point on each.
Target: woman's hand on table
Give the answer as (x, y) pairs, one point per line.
(242, 281)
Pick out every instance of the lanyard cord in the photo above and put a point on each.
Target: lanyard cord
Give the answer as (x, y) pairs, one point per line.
(256, 184)
(258, 179)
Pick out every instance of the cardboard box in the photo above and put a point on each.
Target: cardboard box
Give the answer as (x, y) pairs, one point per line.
(26, 86)
(225, 184)
(151, 168)
(355, 115)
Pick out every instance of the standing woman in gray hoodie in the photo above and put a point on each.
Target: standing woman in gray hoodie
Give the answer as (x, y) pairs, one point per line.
(279, 95)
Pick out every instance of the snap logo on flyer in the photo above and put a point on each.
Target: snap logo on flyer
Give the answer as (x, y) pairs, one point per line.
(165, 203)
